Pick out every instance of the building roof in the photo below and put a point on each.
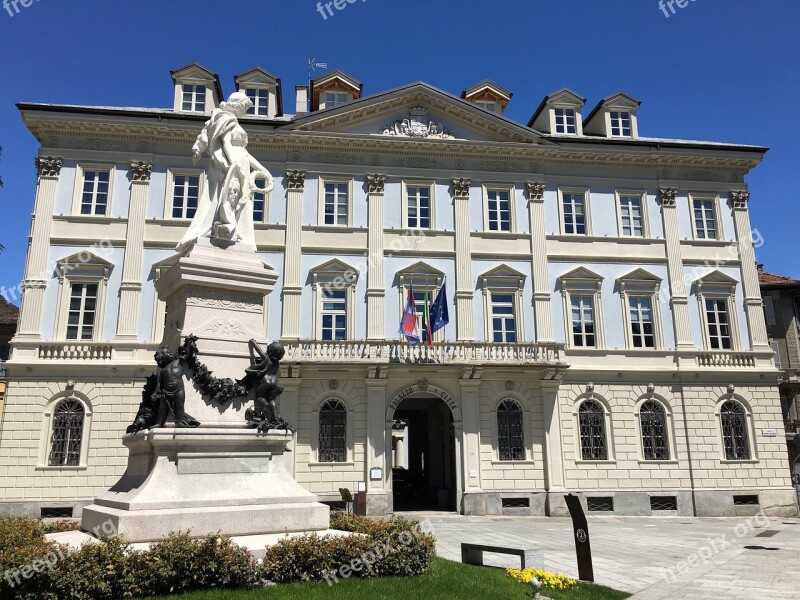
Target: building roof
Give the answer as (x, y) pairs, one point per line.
(484, 84)
(8, 312)
(770, 279)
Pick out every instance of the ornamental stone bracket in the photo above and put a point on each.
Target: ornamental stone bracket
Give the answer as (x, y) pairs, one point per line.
(376, 183)
(141, 171)
(377, 372)
(48, 166)
(668, 197)
(556, 374)
(739, 199)
(535, 191)
(472, 373)
(296, 180)
(461, 187)
(290, 372)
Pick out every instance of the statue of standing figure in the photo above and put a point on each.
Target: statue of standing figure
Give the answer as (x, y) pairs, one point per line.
(262, 375)
(224, 213)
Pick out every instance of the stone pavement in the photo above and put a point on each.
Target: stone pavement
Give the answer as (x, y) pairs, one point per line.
(653, 558)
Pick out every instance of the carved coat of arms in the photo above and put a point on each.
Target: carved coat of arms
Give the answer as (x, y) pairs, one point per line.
(417, 124)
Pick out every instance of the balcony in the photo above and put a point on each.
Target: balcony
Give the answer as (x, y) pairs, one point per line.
(399, 352)
(89, 352)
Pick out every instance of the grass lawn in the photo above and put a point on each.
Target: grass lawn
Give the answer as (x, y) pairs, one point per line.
(446, 580)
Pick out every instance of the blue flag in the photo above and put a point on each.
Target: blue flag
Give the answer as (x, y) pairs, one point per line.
(439, 311)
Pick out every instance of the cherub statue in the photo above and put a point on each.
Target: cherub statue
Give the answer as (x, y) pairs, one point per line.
(262, 375)
(170, 391)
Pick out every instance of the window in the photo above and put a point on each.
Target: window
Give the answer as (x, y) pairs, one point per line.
(718, 321)
(334, 314)
(631, 216)
(82, 311)
(65, 442)
(422, 277)
(509, 431)
(504, 322)
(94, 197)
(705, 223)
(5, 351)
(574, 213)
(419, 303)
(194, 98)
(583, 331)
(769, 311)
(733, 420)
(185, 195)
(498, 204)
(490, 106)
(259, 203)
(565, 120)
(621, 124)
(333, 99)
(641, 322)
(336, 204)
(592, 423)
(653, 421)
(418, 207)
(332, 432)
(260, 100)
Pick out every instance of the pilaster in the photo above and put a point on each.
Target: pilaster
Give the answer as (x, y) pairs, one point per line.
(376, 288)
(289, 408)
(292, 285)
(377, 442)
(36, 273)
(470, 414)
(541, 289)
(464, 288)
(131, 286)
(678, 298)
(753, 304)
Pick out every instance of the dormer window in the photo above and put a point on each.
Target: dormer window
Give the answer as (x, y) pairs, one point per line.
(565, 120)
(264, 91)
(621, 124)
(260, 100)
(334, 99)
(490, 106)
(194, 98)
(334, 89)
(489, 96)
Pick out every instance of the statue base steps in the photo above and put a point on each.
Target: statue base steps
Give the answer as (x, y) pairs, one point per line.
(225, 480)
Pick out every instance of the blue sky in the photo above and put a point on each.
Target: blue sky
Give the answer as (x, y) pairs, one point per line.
(723, 70)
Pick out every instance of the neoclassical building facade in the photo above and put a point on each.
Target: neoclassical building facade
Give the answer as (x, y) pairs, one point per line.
(606, 332)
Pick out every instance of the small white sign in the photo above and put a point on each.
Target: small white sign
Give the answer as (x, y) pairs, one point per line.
(473, 473)
(375, 474)
(362, 487)
(769, 432)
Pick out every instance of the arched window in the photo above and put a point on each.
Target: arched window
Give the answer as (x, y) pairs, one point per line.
(509, 431)
(65, 443)
(653, 419)
(734, 431)
(333, 432)
(592, 421)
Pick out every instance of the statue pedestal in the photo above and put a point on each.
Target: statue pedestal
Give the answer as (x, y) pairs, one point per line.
(205, 480)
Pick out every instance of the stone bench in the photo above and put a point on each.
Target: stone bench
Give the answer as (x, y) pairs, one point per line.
(531, 558)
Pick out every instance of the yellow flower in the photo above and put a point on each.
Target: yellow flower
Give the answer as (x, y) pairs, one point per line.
(546, 578)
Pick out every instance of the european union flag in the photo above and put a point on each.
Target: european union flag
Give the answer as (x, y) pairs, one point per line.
(439, 312)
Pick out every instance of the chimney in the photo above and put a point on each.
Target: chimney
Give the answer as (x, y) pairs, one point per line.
(302, 99)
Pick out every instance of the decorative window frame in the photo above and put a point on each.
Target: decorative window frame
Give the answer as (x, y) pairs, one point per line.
(349, 431)
(607, 422)
(717, 285)
(575, 108)
(77, 192)
(338, 275)
(431, 278)
(503, 280)
(527, 438)
(641, 283)
(323, 179)
(586, 209)
(46, 432)
(583, 282)
(429, 183)
(669, 426)
(267, 197)
(645, 217)
(86, 268)
(168, 197)
(749, 426)
(715, 199)
(511, 188)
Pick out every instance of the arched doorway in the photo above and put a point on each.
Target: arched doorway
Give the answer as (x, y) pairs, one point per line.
(424, 465)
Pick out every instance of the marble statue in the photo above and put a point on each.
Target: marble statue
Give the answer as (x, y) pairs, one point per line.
(224, 213)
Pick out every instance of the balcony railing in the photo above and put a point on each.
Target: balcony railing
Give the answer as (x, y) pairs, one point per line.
(89, 352)
(395, 351)
(734, 360)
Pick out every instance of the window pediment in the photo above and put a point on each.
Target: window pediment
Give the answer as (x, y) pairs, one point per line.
(334, 270)
(503, 276)
(716, 281)
(420, 273)
(639, 279)
(84, 264)
(581, 278)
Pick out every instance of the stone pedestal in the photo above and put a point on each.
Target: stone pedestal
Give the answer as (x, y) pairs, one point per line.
(205, 480)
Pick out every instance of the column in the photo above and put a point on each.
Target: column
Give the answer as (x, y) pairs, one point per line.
(540, 277)
(464, 293)
(377, 444)
(554, 452)
(131, 286)
(678, 298)
(753, 304)
(376, 287)
(289, 409)
(471, 420)
(36, 272)
(292, 284)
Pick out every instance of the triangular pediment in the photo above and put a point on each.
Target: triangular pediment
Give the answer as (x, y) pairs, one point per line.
(416, 112)
(716, 280)
(581, 273)
(639, 275)
(84, 262)
(195, 72)
(257, 76)
(333, 267)
(422, 269)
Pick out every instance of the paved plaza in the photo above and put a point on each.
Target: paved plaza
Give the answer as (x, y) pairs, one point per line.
(653, 558)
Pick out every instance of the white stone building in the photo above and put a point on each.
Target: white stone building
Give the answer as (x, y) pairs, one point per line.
(606, 330)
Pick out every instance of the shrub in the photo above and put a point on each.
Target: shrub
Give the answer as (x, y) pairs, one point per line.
(60, 526)
(23, 552)
(395, 547)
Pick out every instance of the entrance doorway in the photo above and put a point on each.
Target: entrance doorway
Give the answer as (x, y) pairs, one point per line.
(424, 456)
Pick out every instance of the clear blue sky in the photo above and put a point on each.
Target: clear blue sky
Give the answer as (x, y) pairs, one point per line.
(724, 70)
